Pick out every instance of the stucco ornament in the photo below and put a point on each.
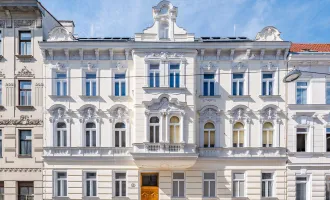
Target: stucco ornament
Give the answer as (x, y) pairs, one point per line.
(119, 113)
(24, 72)
(59, 34)
(24, 120)
(269, 33)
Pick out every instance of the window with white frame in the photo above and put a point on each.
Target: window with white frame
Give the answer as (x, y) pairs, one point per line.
(0, 92)
(25, 91)
(90, 137)
(238, 135)
(174, 75)
(120, 184)
(301, 188)
(238, 84)
(178, 185)
(154, 130)
(209, 184)
(61, 134)
(120, 84)
(154, 72)
(90, 184)
(25, 43)
(163, 30)
(61, 184)
(301, 92)
(61, 84)
(302, 139)
(208, 84)
(267, 84)
(327, 187)
(327, 139)
(238, 185)
(90, 84)
(327, 93)
(174, 130)
(267, 134)
(120, 135)
(267, 184)
(209, 135)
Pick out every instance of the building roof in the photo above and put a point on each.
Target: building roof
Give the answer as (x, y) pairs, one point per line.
(309, 47)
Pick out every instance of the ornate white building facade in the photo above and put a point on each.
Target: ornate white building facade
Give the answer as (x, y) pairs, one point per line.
(164, 115)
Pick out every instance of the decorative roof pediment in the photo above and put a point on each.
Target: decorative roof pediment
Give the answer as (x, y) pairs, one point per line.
(24, 72)
(60, 34)
(269, 33)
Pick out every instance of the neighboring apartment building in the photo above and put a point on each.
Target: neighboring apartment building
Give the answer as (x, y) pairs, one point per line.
(21, 96)
(164, 115)
(308, 129)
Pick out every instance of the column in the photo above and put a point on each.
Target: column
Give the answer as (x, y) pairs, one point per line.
(161, 127)
(201, 133)
(146, 69)
(277, 133)
(166, 74)
(181, 128)
(247, 134)
(98, 131)
(183, 72)
(217, 133)
(167, 137)
(146, 132)
(128, 134)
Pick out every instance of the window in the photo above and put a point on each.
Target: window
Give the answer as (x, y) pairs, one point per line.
(174, 75)
(120, 184)
(90, 140)
(154, 75)
(0, 143)
(61, 184)
(163, 34)
(120, 85)
(25, 143)
(267, 84)
(90, 184)
(209, 185)
(178, 185)
(25, 43)
(61, 84)
(238, 135)
(327, 93)
(120, 135)
(327, 139)
(61, 134)
(301, 188)
(209, 135)
(0, 92)
(174, 130)
(25, 190)
(208, 85)
(267, 184)
(238, 84)
(301, 139)
(301, 93)
(327, 187)
(91, 84)
(2, 190)
(150, 180)
(25, 93)
(267, 135)
(238, 185)
(154, 130)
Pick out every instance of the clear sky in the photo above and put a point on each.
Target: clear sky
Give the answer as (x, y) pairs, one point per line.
(298, 20)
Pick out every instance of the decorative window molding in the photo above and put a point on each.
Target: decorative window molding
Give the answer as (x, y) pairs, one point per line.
(24, 72)
(210, 68)
(90, 68)
(240, 66)
(60, 68)
(210, 114)
(89, 114)
(269, 66)
(60, 114)
(119, 68)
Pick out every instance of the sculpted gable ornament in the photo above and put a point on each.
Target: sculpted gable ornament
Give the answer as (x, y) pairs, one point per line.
(60, 34)
(24, 73)
(269, 33)
(239, 114)
(119, 113)
(210, 113)
(24, 120)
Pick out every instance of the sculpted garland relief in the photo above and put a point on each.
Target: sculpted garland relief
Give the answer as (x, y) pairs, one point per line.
(24, 120)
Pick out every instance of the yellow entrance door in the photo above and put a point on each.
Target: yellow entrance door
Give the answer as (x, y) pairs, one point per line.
(149, 186)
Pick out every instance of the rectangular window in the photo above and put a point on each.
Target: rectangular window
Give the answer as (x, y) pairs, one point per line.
(25, 190)
(2, 190)
(267, 185)
(120, 184)
(61, 84)
(301, 139)
(90, 184)
(209, 185)
(0, 143)
(327, 93)
(154, 75)
(120, 85)
(61, 189)
(91, 84)
(25, 43)
(174, 75)
(25, 143)
(61, 137)
(301, 188)
(208, 85)
(327, 187)
(178, 185)
(267, 84)
(327, 139)
(25, 93)
(0, 92)
(238, 84)
(301, 92)
(238, 185)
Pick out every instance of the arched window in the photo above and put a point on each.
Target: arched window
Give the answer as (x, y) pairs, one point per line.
(267, 134)
(90, 137)
(154, 130)
(120, 135)
(174, 130)
(238, 135)
(209, 135)
(61, 134)
(163, 30)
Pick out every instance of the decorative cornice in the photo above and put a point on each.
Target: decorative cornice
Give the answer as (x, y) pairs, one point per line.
(23, 23)
(20, 170)
(24, 73)
(24, 120)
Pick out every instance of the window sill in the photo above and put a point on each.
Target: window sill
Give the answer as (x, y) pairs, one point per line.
(164, 88)
(59, 96)
(25, 107)
(269, 198)
(24, 156)
(1, 56)
(60, 198)
(120, 198)
(239, 96)
(209, 97)
(239, 198)
(269, 96)
(24, 57)
(90, 198)
(120, 98)
(89, 97)
(310, 106)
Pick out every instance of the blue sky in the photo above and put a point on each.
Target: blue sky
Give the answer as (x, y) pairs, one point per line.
(298, 20)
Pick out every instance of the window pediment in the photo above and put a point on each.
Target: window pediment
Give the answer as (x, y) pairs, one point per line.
(88, 113)
(164, 104)
(60, 113)
(119, 113)
(240, 114)
(211, 113)
(165, 56)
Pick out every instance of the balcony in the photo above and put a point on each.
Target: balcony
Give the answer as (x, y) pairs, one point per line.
(86, 152)
(164, 155)
(244, 153)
